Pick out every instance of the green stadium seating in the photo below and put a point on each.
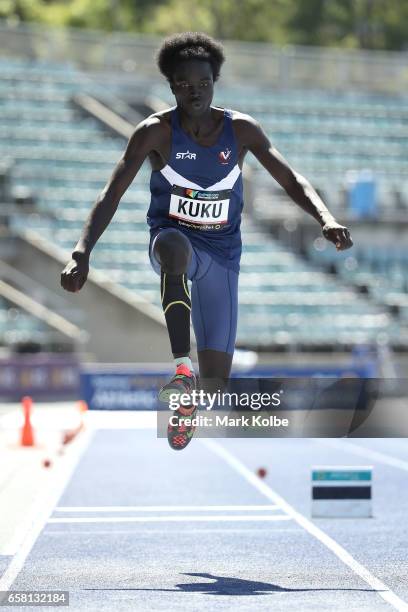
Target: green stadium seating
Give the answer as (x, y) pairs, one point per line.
(66, 159)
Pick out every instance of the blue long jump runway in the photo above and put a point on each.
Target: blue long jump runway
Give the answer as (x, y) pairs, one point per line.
(141, 527)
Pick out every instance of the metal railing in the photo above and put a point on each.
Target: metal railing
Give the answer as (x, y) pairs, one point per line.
(292, 67)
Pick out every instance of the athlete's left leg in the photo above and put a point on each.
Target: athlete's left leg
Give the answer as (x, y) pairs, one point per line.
(214, 364)
(214, 315)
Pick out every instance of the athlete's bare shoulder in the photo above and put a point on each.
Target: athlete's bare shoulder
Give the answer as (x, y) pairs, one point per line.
(157, 125)
(152, 135)
(247, 129)
(162, 117)
(243, 121)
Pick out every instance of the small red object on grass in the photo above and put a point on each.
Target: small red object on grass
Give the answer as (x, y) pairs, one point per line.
(261, 472)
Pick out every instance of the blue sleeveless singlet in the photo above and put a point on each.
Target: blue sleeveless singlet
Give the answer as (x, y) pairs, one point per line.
(200, 193)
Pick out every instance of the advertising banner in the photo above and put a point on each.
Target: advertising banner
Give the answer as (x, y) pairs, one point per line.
(45, 377)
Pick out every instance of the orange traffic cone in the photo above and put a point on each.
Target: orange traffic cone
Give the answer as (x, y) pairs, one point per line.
(27, 434)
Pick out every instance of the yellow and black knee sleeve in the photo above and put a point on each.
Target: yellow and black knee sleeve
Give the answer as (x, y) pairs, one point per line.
(176, 302)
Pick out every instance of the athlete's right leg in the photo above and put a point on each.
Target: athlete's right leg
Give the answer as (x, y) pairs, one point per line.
(173, 257)
(171, 254)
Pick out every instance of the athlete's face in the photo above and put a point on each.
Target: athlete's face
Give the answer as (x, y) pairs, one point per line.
(193, 86)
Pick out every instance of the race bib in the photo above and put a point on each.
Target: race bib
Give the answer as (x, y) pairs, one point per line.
(202, 210)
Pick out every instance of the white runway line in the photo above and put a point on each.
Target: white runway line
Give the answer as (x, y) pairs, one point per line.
(173, 519)
(43, 510)
(340, 552)
(163, 508)
(122, 419)
(362, 451)
(156, 531)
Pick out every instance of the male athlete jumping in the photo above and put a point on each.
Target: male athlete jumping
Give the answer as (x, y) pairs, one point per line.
(196, 152)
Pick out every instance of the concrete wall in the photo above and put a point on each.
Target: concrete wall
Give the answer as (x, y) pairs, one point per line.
(121, 326)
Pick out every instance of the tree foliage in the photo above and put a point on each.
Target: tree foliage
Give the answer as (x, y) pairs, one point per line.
(371, 24)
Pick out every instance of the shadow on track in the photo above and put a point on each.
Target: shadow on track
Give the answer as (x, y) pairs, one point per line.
(230, 586)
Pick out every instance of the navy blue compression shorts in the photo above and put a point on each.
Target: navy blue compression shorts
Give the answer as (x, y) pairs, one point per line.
(214, 299)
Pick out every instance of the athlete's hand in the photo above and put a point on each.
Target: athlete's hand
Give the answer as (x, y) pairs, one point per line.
(338, 234)
(75, 273)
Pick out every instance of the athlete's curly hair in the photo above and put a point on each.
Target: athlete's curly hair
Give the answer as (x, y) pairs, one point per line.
(189, 45)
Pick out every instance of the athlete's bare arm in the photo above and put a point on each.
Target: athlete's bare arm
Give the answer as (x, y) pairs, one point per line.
(150, 139)
(251, 137)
